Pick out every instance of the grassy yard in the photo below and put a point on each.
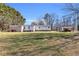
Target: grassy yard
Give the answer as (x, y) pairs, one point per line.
(38, 43)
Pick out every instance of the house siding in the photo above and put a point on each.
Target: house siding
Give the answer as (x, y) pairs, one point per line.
(21, 28)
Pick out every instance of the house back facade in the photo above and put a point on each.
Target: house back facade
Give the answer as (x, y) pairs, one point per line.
(25, 28)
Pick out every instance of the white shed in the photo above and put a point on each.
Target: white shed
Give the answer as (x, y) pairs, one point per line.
(16, 28)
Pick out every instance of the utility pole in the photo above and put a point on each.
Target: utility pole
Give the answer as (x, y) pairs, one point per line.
(76, 24)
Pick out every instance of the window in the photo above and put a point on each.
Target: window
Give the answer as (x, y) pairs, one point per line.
(28, 27)
(48, 27)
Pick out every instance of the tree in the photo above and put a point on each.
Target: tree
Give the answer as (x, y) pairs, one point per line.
(33, 23)
(49, 19)
(1, 25)
(41, 22)
(73, 8)
(9, 16)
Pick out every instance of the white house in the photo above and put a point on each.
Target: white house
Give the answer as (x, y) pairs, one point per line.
(37, 28)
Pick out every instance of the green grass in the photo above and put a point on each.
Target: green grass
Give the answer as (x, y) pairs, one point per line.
(35, 43)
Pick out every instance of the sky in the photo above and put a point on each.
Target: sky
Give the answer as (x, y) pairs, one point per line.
(33, 11)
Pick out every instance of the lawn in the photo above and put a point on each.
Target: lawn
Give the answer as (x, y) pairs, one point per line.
(38, 44)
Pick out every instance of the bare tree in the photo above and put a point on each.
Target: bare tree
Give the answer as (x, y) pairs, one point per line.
(33, 23)
(40, 22)
(74, 9)
(49, 19)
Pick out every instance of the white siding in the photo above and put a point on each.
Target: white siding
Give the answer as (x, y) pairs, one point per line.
(41, 27)
(37, 28)
(28, 27)
(15, 27)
